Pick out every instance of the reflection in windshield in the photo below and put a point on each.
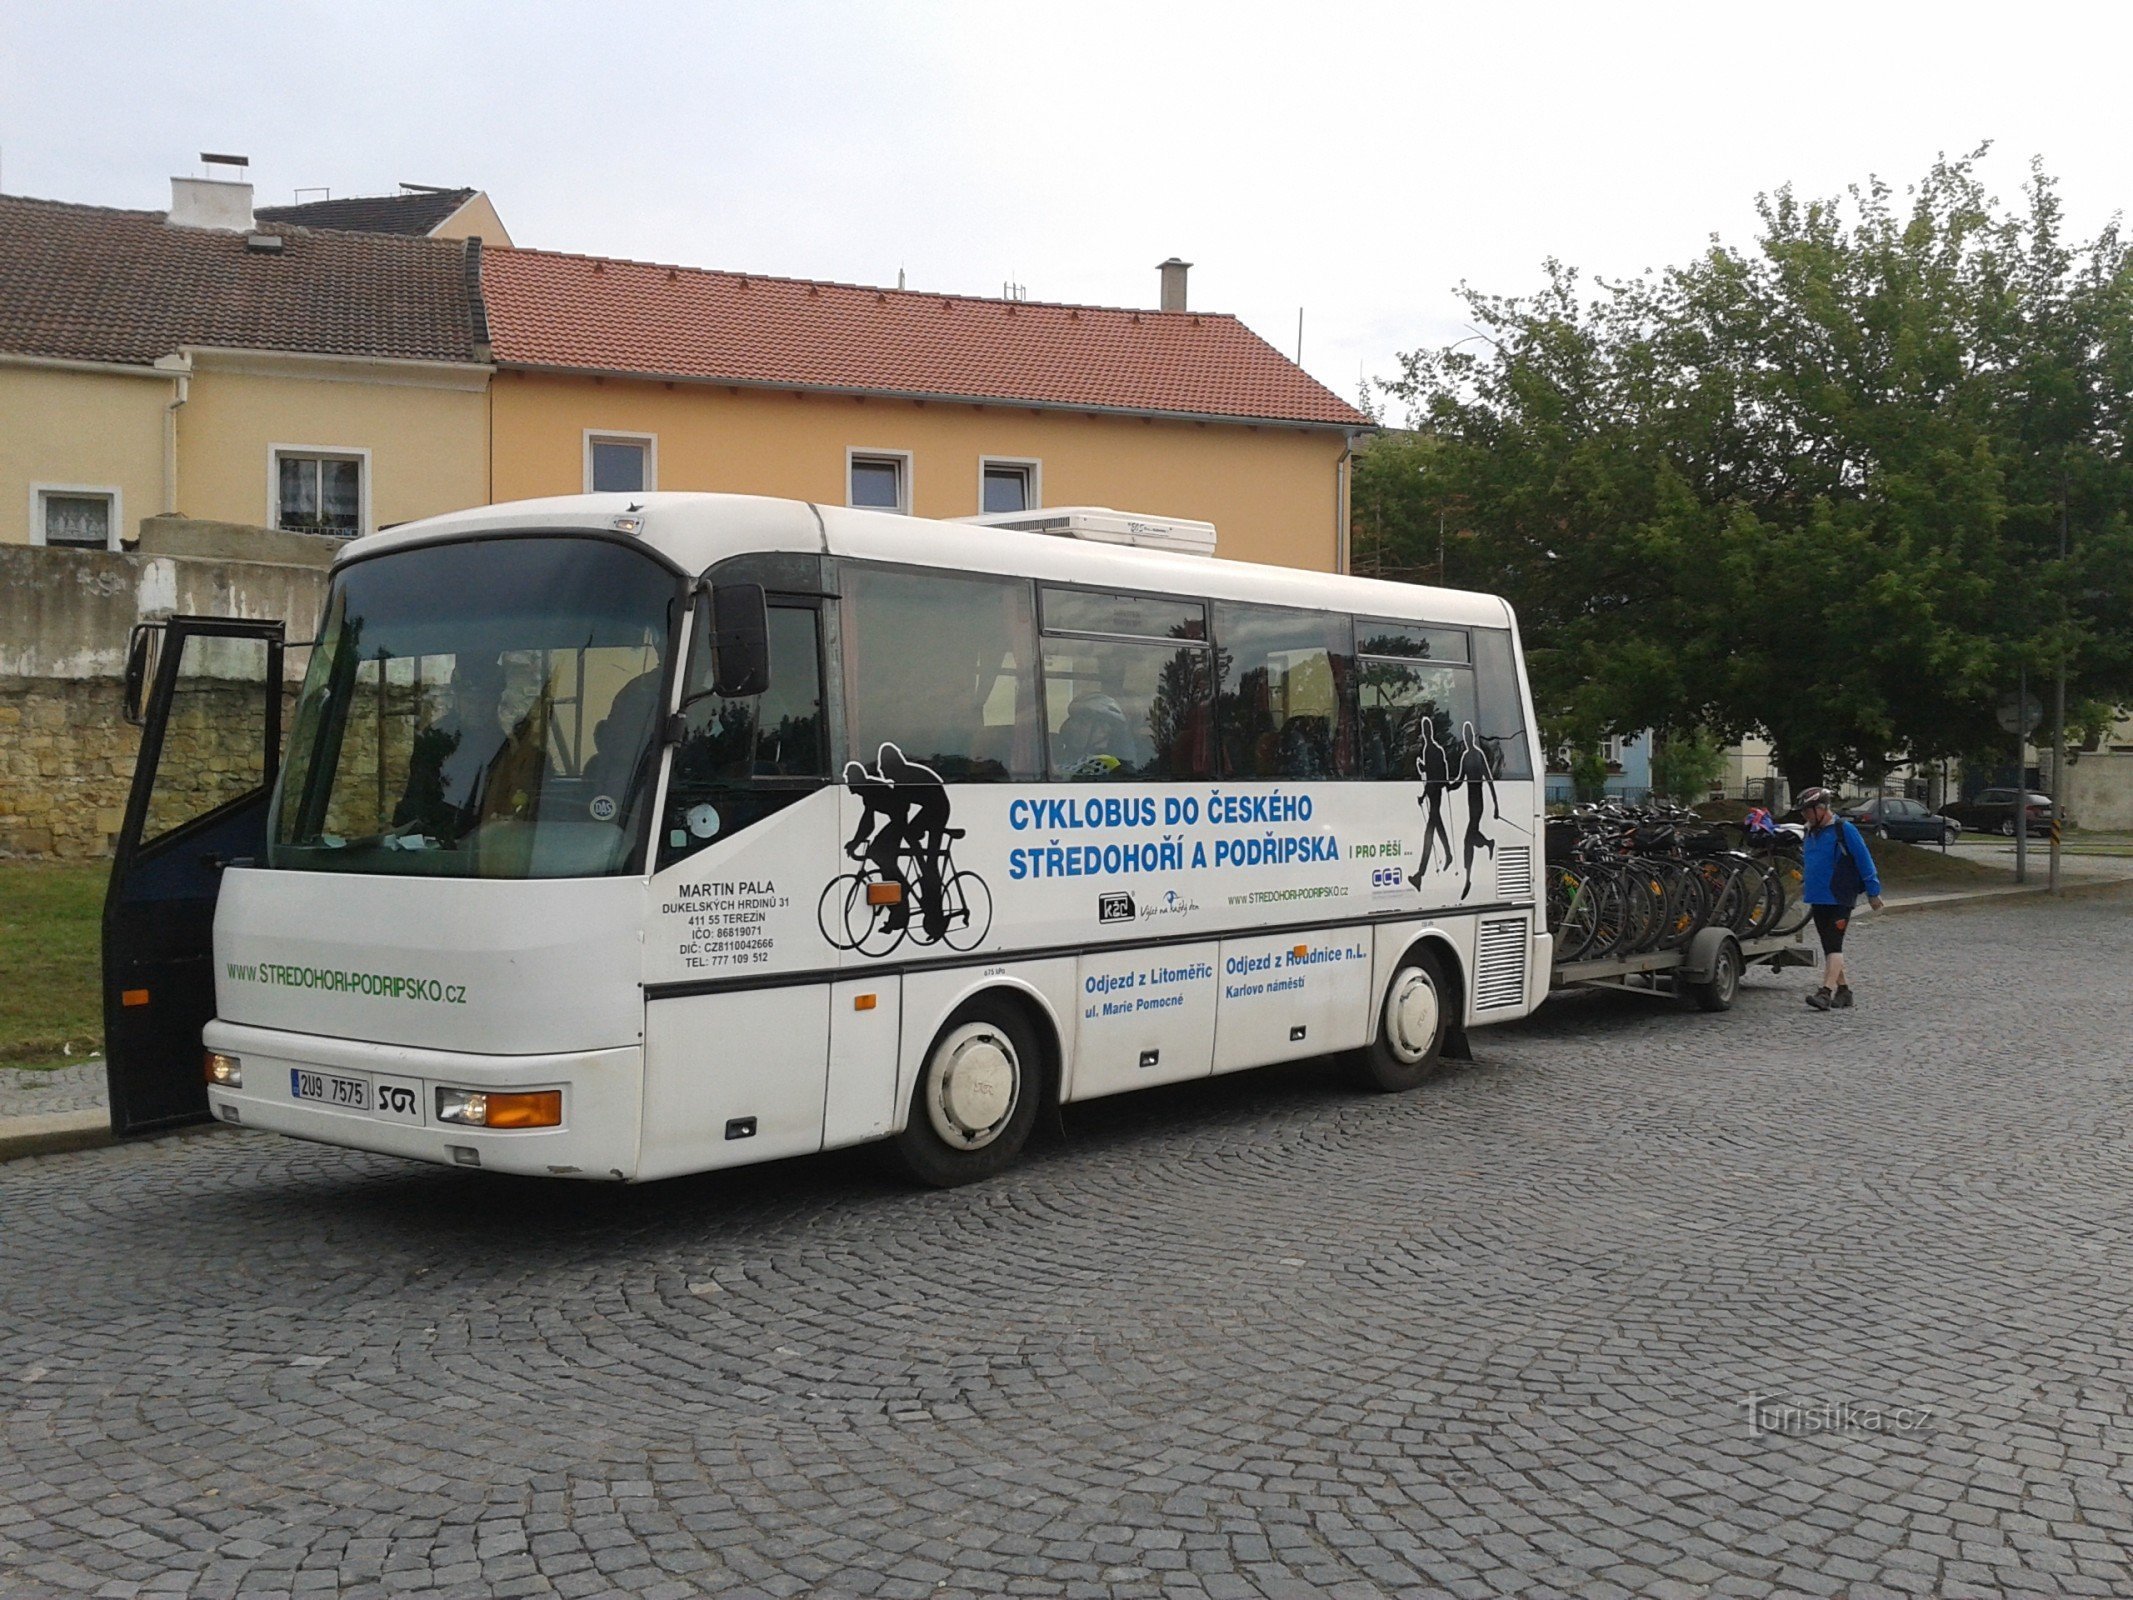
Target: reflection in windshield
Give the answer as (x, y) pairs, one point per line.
(482, 709)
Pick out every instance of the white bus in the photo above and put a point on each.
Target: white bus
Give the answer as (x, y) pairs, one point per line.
(620, 837)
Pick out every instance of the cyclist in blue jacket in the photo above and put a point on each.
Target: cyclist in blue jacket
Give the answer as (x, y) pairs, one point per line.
(1835, 868)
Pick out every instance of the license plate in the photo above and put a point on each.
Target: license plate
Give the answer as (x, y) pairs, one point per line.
(330, 1089)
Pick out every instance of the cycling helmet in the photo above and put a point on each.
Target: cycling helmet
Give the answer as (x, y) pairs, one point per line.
(1816, 797)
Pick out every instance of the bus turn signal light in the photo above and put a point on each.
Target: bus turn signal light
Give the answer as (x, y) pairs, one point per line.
(1301, 951)
(133, 997)
(865, 1002)
(539, 1108)
(885, 894)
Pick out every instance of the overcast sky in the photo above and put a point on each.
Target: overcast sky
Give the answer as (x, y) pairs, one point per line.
(1357, 162)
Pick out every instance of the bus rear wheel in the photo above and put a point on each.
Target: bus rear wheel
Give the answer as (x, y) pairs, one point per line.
(1412, 1024)
(975, 1101)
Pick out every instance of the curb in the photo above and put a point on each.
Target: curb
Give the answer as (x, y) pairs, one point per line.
(56, 1132)
(53, 1131)
(1972, 897)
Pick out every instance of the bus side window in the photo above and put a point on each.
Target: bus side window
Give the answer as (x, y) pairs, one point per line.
(1501, 720)
(1394, 698)
(1284, 704)
(942, 665)
(1127, 687)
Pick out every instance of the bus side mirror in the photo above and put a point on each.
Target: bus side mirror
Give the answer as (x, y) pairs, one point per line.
(740, 636)
(141, 651)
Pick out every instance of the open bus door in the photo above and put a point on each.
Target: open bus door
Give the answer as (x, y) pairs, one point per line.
(210, 748)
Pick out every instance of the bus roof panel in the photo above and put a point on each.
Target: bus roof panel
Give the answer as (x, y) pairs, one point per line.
(696, 531)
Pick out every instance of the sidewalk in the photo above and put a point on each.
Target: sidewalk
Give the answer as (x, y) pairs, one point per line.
(64, 1109)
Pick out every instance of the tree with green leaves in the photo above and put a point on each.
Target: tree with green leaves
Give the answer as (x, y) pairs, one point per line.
(1817, 487)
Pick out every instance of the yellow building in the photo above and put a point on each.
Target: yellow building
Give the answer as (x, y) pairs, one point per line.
(252, 367)
(205, 363)
(623, 375)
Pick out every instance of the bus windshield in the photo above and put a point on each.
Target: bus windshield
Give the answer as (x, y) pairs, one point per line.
(486, 709)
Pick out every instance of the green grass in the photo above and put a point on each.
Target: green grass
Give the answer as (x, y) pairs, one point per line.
(50, 961)
(1923, 866)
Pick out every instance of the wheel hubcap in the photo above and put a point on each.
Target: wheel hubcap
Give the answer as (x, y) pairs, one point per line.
(1411, 1016)
(976, 1080)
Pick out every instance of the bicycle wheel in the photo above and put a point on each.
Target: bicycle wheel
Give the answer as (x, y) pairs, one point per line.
(1613, 914)
(1685, 908)
(867, 925)
(831, 910)
(1792, 912)
(969, 911)
(1573, 907)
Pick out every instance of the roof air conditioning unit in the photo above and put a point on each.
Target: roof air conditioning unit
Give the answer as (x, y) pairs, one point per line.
(1102, 525)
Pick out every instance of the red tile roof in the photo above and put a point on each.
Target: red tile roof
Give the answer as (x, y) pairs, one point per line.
(591, 314)
(92, 284)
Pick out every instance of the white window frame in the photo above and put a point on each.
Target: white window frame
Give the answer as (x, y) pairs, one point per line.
(108, 491)
(1032, 471)
(902, 460)
(335, 452)
(649, 441)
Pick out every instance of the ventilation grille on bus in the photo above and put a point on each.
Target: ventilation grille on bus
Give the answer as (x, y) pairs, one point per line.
(1514, 872)
(1500, 965)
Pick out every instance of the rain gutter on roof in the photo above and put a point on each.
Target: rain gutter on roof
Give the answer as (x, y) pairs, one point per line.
(932, 396)
(108, 369)
(469, 373)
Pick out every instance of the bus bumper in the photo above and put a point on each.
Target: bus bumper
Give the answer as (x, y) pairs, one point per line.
(602, 1095)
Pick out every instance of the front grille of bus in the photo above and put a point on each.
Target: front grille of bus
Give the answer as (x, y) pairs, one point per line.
(1514, 872)
(1500, 965)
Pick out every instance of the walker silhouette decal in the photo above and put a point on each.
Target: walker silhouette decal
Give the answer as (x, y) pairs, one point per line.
(907, 885)
(1442, 768)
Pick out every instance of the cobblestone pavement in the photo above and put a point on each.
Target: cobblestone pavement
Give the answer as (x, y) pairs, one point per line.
(1259, 1336)
(26, 1093)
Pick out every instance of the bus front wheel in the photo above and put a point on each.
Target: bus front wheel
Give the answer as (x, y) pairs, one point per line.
(975, 1101)
(1412, 1024)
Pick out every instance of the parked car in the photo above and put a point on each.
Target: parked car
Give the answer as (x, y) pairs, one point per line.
(1993, 811)
(1893, 817)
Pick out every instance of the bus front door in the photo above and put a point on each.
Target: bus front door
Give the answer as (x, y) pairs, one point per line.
(210, 747)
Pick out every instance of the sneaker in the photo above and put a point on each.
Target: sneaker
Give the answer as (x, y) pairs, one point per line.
(1842, 998)
(1821, 1000)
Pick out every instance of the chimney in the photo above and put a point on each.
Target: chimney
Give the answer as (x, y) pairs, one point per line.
(223, 205)
(1173, 272)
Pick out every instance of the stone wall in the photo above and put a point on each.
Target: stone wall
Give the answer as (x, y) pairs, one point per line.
(66, 750)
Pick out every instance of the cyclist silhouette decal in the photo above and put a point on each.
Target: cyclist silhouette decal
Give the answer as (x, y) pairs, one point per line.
(1475, 771)
(907, 854)
(1434, 767)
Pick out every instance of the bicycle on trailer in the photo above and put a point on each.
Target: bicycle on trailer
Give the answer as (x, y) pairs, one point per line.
(858, 910)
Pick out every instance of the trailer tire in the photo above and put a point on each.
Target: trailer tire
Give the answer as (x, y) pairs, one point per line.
(1722, 987)
(1413, 1023)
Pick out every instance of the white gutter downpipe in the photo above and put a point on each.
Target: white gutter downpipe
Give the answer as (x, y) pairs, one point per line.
(1343, 556)
(180, 368)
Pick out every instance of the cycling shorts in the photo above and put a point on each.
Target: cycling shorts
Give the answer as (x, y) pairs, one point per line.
(1830, 923)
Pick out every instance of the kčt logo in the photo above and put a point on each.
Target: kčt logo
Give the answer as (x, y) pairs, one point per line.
(1114, 908)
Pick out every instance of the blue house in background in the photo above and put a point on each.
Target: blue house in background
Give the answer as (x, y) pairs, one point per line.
(1629, 771)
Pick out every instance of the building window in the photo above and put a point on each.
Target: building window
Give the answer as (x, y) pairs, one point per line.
(621, 463)
(880, 480)
(317, 491)
(72, 518)
(1007, 486)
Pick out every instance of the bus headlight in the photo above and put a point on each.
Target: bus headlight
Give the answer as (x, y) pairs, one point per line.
(475, 1108)
(223, 1072)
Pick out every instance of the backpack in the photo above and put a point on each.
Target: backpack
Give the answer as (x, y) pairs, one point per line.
(1845, 881)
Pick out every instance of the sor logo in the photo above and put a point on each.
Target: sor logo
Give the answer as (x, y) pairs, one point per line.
(1387, 880)
(1114, 908)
